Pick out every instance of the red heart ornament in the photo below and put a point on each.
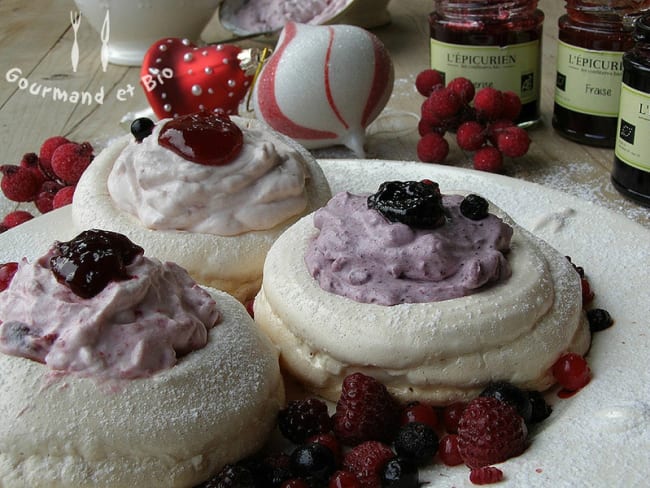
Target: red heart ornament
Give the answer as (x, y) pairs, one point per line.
(180, 78)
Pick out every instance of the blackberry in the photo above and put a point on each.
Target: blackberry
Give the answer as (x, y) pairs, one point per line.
(540, 410)
(400, 473)
(599, 319)
(416, 442)
(314, 462)
(301, 419)
(231, 476)
(474, 207)
(509, 393)
(141, 128)
(414, 203)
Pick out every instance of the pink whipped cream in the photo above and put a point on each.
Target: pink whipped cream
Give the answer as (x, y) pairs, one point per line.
(270, 15)
(360, 255)
(131, 329)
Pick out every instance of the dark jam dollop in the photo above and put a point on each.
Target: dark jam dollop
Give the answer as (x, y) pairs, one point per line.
(204, 138)
(90, 261)
(414, 203)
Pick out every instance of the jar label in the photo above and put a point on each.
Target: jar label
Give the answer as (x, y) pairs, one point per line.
(632, 141)
(515, 67)
(587, 81)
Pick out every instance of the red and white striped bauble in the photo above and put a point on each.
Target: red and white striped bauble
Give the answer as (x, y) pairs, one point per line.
(324, 85)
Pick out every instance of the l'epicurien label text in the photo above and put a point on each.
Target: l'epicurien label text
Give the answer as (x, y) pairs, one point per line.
(478, 59)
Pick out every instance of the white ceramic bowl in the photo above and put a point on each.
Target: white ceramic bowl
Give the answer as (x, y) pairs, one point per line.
(135, 25)
(363, 13)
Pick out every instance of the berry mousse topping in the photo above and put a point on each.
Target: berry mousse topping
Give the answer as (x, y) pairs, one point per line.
(414, 203)
(141, 128)
(206, 138)
(87, 263)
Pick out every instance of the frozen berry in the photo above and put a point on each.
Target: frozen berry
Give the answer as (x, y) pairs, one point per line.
(303, 418)
(63, 197)
(273, 470)
(426, 126)
(432, 148)
(539, 409)
(19, 184)
(426, 80)
(488, 103)
(17, 217)
(464, 88)
(142, 128)
(365, 411)
(400, 473)
(416, 442)
(474, 207)
(513, 141)
(448, 450)
(599, 319)
(70, 160)
(488, 159)
(414, 203)
(420, 412)
(343, 479)
(441, 104)
(313, 461)
(509, 393)
(494, 128)
(471, 136)
(367, 461)
(490, 431)
(330, 441)
(511, 105)
(571, 371)
(47, 149)
(31, 162)
(451, 416)
(7, 272)
(45, 198)
(587, 292)
(485, 475)
(231, 476)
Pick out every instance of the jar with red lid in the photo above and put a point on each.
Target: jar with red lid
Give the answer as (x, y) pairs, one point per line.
(492, 43)
(592, 37)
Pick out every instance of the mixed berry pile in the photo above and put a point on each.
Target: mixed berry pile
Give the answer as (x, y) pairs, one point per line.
(483, 121)
(47, 179)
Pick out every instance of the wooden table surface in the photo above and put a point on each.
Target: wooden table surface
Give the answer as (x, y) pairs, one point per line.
(35, 41)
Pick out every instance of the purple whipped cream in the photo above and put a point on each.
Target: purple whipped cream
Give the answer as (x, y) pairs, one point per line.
(361, 255)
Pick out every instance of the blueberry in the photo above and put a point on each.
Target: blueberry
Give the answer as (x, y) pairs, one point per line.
(400, 473)
(474, 207)
(414, 203)
(509, 393)
(141, 128)
(416, 442)
(599, 319)
(313, 461)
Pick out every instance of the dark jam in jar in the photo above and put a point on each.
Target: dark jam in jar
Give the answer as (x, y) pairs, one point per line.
(631, 170)
(592, 38)
(495, 44)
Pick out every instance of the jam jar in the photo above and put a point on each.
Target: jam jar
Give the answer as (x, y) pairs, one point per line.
(492, 43)
(631, 170)
(592, 37)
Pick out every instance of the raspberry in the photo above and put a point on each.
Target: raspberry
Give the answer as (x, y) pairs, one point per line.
(571, 371)
(513, 141)
(63, 197)
(494, 128)
(47, 149)
(343, 479)
(441, 104)
(448, 450)
(19, 184)
(419, 412)
(17, 217)
(451, 416)
(511, 105)
(488, 159)
(471, 136)
(485, 475)
(426, 80)
(301, 419)
(45, 198)
(70, 160)
(490, 431)
(367, 461)
(488, 103)
(464, 88)
(365, 411)
(7, 272)
(432, 148)
(416, 442)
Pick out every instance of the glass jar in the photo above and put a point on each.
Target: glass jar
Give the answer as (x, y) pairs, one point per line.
(492, 43)
(592, 37)
(631, 170)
